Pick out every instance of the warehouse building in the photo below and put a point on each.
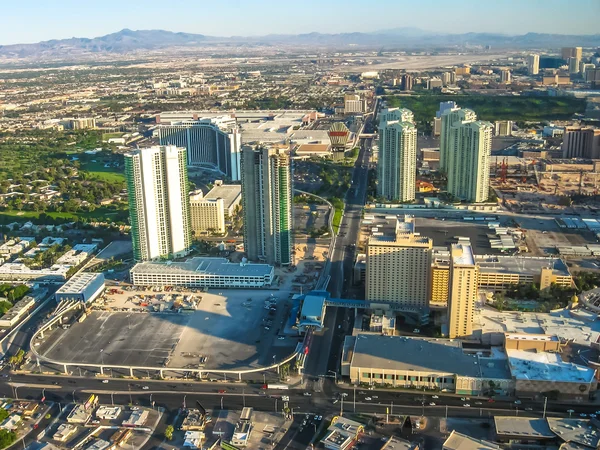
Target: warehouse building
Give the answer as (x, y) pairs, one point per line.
(83, 287)
(203, 272)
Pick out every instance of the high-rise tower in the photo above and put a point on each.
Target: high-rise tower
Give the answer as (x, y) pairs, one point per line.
(159, 211)
(267, 204)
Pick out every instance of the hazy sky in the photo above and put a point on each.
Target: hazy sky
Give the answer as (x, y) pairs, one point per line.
(36, 20)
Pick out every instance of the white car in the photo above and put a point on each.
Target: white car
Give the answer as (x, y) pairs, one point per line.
(431, 404)
(368, 399)
(435, 396)
(145, 388)
(466, 405)
(105, 381)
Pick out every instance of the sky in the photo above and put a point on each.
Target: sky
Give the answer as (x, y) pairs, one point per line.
(37, 20)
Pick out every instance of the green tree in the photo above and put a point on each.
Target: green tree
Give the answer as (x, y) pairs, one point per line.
(7, 438)
(169, 432)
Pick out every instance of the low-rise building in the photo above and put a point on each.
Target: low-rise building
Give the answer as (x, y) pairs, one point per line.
(63, 432)
(83, 287)
(11, 422)
(522, 430)
(193, 421)
(98, 444)
(80, 414)
(459, 441)
(108, 412)
(137, 419)
(193, 439)
(78, 254)
(20, 272)
(342, 434)
(203, 272)
(18, 311)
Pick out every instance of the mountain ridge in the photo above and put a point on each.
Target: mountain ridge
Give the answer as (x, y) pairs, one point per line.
(128, 40)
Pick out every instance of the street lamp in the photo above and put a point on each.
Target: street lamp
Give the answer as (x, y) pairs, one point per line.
(334, 375)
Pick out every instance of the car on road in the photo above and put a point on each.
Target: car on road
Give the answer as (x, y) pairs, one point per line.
(344, 394)
(593, 416)
(368, 399)
(583, 415)
(145, 388)
(221, 391)
(528, 409)
(281, 338)
(307, 394)
(55, 383)
(431, 404)
(104, 381)
(319, 418)
(517, 402)
(435, 396)
(466, 405)
(478, 403)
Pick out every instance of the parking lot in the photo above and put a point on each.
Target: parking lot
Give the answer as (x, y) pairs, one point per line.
(227, 330)
(311, 217)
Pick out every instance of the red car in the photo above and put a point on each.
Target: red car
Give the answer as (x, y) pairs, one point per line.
(222, 391)
(491, 400)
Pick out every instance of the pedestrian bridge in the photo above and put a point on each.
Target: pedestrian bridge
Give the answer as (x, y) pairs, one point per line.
(315, 303)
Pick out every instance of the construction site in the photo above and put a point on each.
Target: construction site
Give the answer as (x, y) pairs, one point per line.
(545, 185)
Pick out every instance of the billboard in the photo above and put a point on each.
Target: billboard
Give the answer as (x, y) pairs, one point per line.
(339, 136)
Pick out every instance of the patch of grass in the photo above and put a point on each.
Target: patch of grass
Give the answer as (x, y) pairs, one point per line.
(99, 214)
(337, 219)
(97, 171)
(494, 107)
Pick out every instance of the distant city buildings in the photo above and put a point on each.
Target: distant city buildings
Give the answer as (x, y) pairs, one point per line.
(533, 64)
(505, 76)
(397, 160)
(571, 52)
(581, 142)
(354, 104)
(214, 141)
(407, 82)
(157, 186)
(462, 291)
(503, 128)
(267, 204)
(398, 267)
(468, 160)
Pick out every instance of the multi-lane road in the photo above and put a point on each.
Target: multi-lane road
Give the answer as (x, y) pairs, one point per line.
(173, 395)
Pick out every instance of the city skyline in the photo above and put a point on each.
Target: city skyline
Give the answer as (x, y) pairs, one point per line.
(70, 19)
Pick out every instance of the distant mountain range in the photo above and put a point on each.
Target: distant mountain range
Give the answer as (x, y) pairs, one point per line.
(127, 41)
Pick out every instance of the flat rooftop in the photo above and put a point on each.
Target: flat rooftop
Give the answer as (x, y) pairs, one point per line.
(79, 282)
(416, 354)
(206, 266)
(529, 365)
(531, 337)
(459, 441)
(230, 193)
(516, 264)
(523, 427)
(559, 323)
(575, 431)
(462, 255)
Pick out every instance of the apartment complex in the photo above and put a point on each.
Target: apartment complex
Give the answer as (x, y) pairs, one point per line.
(209, 213)
(468, 160)
(463, 291)
(157, 186)
(397, 161)
(214, 141)
(267, 204)
(450, 115)
(533, 64)
(398, 267)
(440, 281)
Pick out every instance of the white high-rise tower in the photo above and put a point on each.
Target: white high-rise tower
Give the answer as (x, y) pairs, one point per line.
(159, 211)
(397, 160)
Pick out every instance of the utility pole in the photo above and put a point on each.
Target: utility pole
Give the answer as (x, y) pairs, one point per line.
(354, 398)
(342, 405)
(545, 404)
